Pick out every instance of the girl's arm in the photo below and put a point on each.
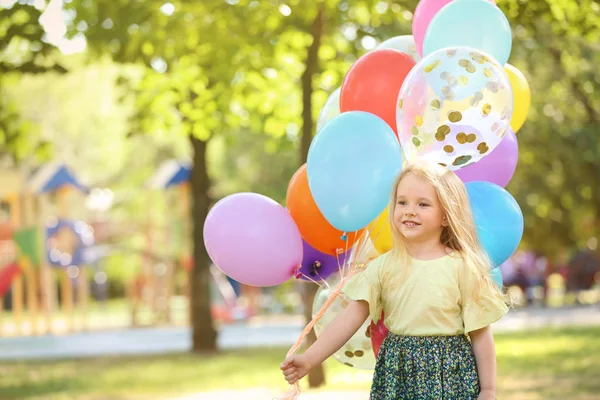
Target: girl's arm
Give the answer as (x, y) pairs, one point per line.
(338, 332)
(485, 356)
(335, 335)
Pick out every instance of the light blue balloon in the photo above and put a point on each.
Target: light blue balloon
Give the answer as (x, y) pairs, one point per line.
(351, 167)
(497, 277)
(472, 23)
(498, 218)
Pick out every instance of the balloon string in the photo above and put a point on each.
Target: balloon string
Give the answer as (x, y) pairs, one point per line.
(345, 264)
(314, 281)
(323, 282)
(340, 264)
(317, 317)
(353, 259)
(347, 269)
(292, 393)
(320, 277)
(294, 390)
(349, 264)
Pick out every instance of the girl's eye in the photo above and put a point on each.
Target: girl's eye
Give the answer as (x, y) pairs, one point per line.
(402, 203)
(424, 205)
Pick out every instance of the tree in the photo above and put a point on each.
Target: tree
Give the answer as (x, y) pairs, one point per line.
(198, 52)
(557, 45)
(214, 64)
(220, 72)
(23, 51)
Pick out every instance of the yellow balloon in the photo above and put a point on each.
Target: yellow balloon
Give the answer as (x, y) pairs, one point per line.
(521, 95)
(381, 232)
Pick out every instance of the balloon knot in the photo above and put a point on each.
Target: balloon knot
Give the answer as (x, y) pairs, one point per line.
(314, 268)
(339, 251)
(296, 272)
(344, 237)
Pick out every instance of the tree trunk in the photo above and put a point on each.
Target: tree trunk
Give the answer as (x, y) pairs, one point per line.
(204, 335)
(312, 65)
(316, 377)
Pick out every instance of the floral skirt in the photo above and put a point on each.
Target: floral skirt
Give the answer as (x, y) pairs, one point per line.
(425, 367)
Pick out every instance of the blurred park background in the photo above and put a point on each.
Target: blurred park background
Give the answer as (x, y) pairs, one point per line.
(123, 121)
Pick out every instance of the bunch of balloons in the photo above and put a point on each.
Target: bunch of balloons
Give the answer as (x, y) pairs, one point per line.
(446, 94)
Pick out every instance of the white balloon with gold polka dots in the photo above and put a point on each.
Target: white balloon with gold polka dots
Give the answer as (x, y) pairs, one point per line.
(358, 351)
(454, 107)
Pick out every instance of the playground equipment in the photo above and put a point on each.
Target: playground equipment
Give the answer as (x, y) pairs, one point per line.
(46, 251)
(167, 243)
(171, 181)
(39, 245)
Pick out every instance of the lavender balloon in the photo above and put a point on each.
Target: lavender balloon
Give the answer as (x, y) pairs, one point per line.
(317, 265)
(253, 239)
(497, 167)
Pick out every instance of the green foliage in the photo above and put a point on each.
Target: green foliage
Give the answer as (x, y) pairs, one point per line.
(19, 137)
(231, 72)
(556, 183)
(120, 268)
(245, 163)
(22, 51)
(79, 115)
(22, 47)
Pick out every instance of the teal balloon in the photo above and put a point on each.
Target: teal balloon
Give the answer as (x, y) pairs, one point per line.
(496, 274)
(498, 218)
(351, 167)
(472, 23)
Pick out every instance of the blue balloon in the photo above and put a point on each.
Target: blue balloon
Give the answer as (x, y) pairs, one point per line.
(351, 167)
(497, 277)
(498, 218)
(472, 23)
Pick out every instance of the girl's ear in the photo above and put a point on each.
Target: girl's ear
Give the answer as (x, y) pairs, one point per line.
(444, 221)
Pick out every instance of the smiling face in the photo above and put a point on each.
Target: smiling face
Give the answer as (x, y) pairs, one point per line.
(418, 214)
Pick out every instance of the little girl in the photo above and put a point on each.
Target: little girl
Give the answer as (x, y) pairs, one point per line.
(434, 288)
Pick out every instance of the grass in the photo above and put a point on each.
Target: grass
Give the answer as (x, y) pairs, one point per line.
(544, 364)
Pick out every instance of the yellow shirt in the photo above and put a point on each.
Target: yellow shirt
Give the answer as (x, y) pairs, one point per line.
(432, 298)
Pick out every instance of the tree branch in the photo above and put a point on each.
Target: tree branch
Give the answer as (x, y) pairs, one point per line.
(312, 66)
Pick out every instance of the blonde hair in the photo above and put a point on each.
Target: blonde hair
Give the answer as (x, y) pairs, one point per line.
(460, 234)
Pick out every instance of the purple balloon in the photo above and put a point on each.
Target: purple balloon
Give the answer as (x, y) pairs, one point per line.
(253, 239)
(497, 167)
(317, 265)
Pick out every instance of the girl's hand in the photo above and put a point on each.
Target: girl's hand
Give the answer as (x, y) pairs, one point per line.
(295, 368)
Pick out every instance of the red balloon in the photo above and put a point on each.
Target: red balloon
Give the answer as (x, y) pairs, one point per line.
(373, 82)
(378, 333)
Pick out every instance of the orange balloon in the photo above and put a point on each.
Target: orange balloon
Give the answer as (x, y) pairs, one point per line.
(313, 226)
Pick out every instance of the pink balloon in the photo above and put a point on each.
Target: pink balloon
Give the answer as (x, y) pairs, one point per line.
(253, 239)
(424, 13)
(497, 167)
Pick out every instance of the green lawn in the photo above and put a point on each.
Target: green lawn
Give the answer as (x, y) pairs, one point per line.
(546, 364)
